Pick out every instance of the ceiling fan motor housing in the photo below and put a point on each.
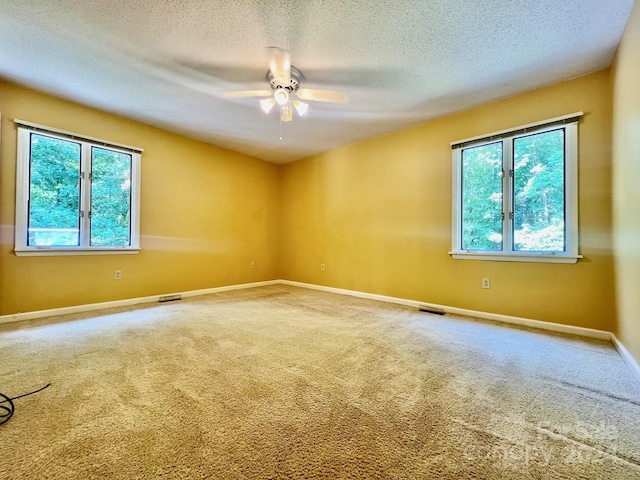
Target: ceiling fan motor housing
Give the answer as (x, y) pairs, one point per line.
(294, 84)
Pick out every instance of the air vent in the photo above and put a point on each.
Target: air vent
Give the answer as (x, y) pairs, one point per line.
(170, 298)
(428, 309)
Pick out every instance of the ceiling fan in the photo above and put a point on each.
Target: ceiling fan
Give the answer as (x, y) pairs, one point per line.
(285, 91)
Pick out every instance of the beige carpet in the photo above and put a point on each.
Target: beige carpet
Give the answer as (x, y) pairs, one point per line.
(283, 382)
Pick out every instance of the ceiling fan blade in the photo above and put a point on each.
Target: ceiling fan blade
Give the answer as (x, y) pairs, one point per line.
(249, 93)
(280, 65)
(225, 72)
(328, 96)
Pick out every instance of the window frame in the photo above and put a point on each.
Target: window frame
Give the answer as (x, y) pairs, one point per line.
(21, 246)
(571, 254)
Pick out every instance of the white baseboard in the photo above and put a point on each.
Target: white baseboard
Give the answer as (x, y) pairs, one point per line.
(19, 317)
(355, 293)
(554, 327)
(626, 356)
(549, 326)
(526, 322)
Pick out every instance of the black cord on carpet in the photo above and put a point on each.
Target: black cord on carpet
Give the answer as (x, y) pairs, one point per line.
(6, 412)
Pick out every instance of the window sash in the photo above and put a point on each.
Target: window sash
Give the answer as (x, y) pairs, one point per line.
(68, 184)
(469, 192)
(508, 253)
(514, 191)
(23, 188)
(94, 184)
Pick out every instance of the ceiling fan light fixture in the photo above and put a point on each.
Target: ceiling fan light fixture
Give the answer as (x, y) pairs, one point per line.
(285, 92)
(281, 96)
(266, 104)
(301, 107)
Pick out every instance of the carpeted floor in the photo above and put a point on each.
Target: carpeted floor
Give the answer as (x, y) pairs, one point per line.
(284, 382)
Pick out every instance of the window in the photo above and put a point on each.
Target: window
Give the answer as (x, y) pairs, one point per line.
(515, 194)
(75, 195)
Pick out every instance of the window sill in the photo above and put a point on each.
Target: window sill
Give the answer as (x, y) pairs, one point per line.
(520, 257)
(57, 251)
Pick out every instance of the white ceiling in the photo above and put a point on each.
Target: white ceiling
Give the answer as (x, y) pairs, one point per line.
(171, 63)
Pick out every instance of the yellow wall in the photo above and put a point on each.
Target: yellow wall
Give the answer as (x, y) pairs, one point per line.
(206, 213)
(378, 215)
(626, 183)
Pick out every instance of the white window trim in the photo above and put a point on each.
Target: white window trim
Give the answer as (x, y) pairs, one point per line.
(21, 247)
(571, 196)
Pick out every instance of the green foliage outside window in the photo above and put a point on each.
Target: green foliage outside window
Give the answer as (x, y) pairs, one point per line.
(55, 194)
(110, 198)
(538, 194)
(482, 197)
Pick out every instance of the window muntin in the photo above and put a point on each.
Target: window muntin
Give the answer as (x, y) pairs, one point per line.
(537, 203)
(75, 195)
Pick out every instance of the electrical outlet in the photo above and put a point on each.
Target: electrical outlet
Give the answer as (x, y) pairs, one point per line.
(253, 264)
(322, 267)
(117, 275)
(486, 283)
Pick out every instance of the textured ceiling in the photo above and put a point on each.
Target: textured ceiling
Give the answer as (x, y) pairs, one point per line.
(172, 63)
